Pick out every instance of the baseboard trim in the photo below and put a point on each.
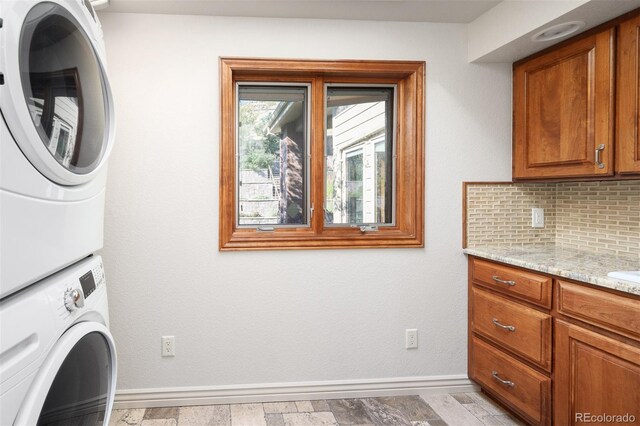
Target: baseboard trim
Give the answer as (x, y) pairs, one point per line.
(272, 392)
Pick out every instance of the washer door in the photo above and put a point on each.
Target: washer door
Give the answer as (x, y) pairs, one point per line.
(61, 113)
(76, 384)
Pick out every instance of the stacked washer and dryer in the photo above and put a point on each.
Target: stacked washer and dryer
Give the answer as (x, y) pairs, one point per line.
(57, 357)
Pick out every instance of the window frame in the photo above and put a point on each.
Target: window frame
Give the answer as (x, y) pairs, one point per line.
(408, 76)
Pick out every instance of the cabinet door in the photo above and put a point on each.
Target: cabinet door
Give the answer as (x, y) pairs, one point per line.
(628, 112)
(563, 111)
(594, 375)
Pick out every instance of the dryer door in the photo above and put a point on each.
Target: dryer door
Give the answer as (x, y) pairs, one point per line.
(76, 384)
(61, 113)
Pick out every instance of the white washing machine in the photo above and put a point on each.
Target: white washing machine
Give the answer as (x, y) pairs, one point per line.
(58, 357)
(56, 132)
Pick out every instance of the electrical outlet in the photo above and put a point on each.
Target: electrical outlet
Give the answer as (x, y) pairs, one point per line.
(168, 346)
(411, 338)
(537, 218)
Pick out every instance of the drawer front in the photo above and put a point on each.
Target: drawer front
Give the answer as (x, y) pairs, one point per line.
(521, 329)
(610, 311)
(522, 388)
(520, 284)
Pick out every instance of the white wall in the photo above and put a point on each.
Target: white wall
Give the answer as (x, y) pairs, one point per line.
(267, 317)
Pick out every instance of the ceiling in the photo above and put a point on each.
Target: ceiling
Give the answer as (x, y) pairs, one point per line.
(499, 30)
(447, 11)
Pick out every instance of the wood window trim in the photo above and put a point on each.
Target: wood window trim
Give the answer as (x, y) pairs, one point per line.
(409, 76)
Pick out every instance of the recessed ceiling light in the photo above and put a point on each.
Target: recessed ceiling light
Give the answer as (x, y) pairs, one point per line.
(558, 31)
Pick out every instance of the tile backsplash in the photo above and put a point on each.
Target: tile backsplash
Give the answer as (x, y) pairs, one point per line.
(501, 214)
(597, 216)
(602, 215)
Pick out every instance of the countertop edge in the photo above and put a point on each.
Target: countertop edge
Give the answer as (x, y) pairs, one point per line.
(600, 281)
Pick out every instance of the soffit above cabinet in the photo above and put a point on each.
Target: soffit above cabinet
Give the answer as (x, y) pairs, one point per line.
(504, 33)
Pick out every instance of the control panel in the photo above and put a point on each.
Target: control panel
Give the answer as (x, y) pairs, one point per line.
(82, 284)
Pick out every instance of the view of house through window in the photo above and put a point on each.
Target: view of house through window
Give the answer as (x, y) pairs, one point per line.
(272, 146)
(359, 154)
(321, 154)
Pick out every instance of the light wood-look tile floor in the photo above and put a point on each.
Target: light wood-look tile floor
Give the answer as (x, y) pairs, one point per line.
(460, 409)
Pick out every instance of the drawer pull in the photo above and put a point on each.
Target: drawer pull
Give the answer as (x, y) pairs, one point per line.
(507, 282)
(504, 382)
(506, 327)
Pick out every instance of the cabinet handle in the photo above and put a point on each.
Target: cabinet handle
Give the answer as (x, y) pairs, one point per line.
(506, 327)
(508, 282)
(599, 150)
(504, 382)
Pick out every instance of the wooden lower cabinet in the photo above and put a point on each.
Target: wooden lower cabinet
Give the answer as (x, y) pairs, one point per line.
(517, 328)
(594, 376)
(510, 337)
(522, 388)
(602, 309)
(514, 283)
(574, 361)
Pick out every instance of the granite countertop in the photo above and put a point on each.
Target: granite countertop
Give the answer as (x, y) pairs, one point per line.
(579, 265)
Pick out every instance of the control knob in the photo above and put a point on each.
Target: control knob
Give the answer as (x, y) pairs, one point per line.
(73, 298)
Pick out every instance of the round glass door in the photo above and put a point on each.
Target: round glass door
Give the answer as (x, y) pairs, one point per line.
(64, 87)
(80, 390)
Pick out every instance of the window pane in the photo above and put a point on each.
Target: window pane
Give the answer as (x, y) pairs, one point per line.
(354, 186)
(272, 151)
(358, 156)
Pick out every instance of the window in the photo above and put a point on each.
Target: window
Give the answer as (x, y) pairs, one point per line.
(321, 154)
(272, 155)
(359, 134)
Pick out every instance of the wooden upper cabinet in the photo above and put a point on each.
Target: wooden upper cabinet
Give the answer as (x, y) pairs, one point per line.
(563, 110)
(628, 110)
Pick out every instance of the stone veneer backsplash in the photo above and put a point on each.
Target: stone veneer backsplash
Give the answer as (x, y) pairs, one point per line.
(596, 216)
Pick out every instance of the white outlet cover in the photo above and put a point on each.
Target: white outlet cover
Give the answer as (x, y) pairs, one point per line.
(168, 346)
(537, 218)
(411, 338)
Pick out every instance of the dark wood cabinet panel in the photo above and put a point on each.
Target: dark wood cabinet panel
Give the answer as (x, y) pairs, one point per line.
(619, 314)
(517, 283)
(563, 111)
(520, 387)
(511, 325)
(594, 375)
(628, 96)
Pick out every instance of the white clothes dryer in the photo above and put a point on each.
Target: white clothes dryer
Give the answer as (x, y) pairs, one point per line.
(56, 132)
(58, 357)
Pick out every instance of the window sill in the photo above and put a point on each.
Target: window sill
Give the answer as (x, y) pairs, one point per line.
(294, 240)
